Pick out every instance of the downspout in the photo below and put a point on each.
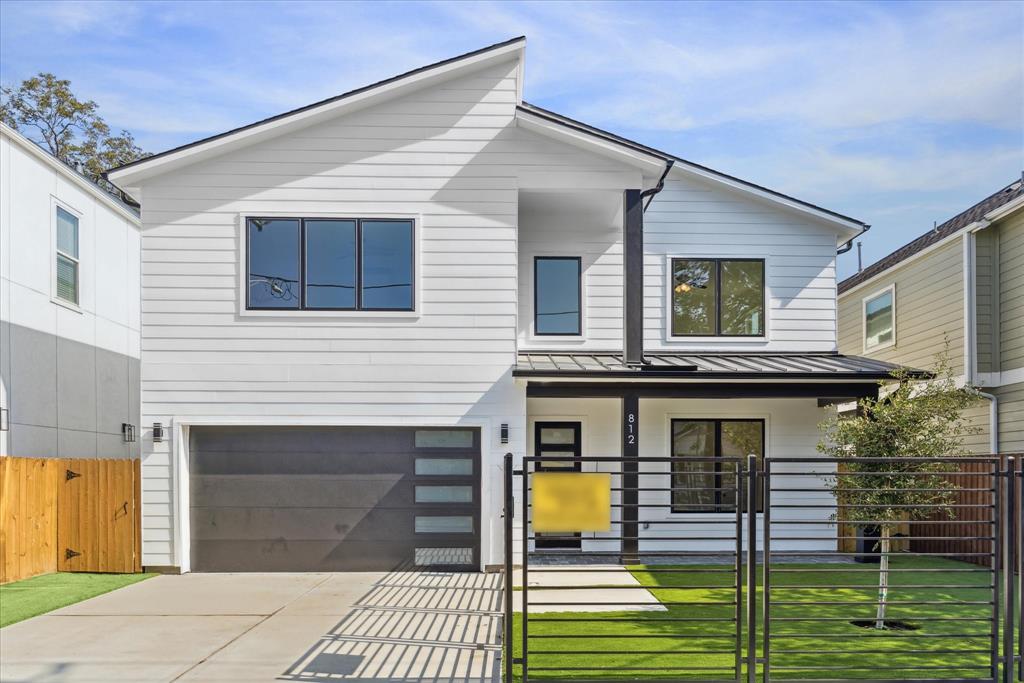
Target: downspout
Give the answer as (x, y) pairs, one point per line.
(970, 336)
(649, 194)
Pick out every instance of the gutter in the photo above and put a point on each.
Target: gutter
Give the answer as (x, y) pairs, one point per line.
(849, 244)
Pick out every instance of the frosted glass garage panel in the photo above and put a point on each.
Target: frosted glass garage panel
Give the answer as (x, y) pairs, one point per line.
(431, 524)
(444, 494)
(444, 467)
(444, 438)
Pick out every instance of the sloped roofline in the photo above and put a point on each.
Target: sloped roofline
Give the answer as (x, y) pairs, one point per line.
(81, 181)
(686, 165)
(1006, 200)
(120, 172)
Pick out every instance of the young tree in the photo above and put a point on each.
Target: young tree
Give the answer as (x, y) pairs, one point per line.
(44, 109)
(916, 421)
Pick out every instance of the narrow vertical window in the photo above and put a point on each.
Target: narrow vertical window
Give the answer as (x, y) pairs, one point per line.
(330, 264)
(880, 320)
(273, 263)
(67, 256)
(387, 265)
(557, 301)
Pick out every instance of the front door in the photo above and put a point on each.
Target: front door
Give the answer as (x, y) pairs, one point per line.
(558, 440)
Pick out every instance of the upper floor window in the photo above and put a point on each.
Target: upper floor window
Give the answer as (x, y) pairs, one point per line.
(557, 298)
(880, 319)
(67, 276)
(330, 264)
(717, 297)
(701, 480)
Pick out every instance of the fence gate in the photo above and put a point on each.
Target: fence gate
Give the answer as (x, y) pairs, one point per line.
(665, 588)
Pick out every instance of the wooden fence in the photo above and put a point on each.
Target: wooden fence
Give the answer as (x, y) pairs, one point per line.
(962, 539)
(69, 515)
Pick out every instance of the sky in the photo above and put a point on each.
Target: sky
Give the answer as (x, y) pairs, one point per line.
(898, 114)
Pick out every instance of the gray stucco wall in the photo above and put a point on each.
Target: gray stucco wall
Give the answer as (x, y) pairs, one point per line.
(67, 399)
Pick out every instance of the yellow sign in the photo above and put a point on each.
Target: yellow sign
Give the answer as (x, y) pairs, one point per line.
(567, 502)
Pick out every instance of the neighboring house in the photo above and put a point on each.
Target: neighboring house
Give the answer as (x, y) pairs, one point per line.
(69, 310)
(962, 281)
(353, 310)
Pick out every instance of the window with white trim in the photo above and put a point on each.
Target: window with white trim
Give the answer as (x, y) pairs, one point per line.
(880, 319)
(67, 265)
(717, 297)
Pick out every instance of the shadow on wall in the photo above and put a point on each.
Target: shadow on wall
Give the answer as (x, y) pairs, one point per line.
(413, 626)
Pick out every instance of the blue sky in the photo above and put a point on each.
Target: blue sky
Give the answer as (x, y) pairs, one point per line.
(897, 114)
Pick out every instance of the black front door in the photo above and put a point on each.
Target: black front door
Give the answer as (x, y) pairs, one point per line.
(558, 440)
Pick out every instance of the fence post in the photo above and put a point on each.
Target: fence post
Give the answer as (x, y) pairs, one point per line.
(509, 583)
(766, 600)
(1009, 578)
(751, 569)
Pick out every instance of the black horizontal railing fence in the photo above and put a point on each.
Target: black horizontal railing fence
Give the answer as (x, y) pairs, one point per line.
(687, 586)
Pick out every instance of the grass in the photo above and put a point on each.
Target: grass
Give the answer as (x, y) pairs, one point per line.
(644, 645)
(22, 600)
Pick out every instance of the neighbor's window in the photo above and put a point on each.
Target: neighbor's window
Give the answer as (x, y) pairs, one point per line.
(330, 264)
(701, 480)
(717, 297)
(557, 295)
(67, 256)
(880, 319)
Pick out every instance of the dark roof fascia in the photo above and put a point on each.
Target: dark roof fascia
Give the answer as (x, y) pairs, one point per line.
(612, 137)
(329, 100)
(823, 377)
(950, 227)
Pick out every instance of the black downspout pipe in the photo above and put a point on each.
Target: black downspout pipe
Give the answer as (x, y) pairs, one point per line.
(633, 269)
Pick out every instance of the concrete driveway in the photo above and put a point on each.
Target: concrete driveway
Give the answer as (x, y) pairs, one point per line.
(366, 627)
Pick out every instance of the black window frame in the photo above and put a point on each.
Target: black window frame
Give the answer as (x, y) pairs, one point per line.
(358, 307)
(718, 296)
(579, 296)
(719, 506)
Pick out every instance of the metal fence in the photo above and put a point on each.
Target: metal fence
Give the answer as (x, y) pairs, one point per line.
(687, 586)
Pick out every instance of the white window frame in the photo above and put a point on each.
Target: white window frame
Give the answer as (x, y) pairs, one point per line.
(669, 338)
(891, 289)
(55, 252)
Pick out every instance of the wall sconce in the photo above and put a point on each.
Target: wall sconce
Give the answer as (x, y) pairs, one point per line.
(504, 432)
(128, 432)
(158, 432)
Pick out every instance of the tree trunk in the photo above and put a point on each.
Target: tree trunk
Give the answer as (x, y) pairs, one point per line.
(883, 577)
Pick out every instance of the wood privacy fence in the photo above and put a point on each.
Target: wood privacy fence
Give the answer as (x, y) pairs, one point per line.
(951, 537)
(69, 515)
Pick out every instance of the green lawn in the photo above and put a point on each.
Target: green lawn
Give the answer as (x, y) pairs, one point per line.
(702, 650)
(41, 594)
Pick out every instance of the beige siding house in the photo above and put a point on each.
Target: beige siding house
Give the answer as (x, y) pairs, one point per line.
(963, 282)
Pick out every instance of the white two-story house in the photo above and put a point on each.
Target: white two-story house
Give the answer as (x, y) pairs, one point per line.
(353, 310)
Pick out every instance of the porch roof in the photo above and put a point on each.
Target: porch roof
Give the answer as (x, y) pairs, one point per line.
(706, 366)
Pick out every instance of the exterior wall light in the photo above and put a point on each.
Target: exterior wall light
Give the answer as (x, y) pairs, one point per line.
(504, 432)
(158, 432)
(128, 432)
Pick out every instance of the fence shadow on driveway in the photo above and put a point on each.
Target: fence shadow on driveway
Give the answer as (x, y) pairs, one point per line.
(422, 626)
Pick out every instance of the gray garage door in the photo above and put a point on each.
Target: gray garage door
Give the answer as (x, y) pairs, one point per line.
(334, 498)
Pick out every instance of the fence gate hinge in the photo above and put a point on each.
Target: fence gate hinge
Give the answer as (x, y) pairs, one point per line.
(69, 475)
(69, 553)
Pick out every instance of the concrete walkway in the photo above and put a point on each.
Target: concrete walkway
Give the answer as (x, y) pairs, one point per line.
(363, 627)
(595, 588)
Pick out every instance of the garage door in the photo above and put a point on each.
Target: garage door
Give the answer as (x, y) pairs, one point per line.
(334, 498)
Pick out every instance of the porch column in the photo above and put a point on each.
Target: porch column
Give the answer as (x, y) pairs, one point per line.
(630, 478)
(633, 277)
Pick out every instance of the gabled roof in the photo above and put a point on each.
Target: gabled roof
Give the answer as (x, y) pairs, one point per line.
(706, 366)
(962, 220)
(684, 165)
(122, 174)
(72, 174)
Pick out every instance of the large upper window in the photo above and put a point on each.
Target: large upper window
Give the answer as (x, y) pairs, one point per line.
(557, 295)
(880, 319)
(67, 256)
(701, 480)
(330, 264)
(717, 297)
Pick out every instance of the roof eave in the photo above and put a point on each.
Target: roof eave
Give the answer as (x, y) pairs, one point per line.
(128, 175)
